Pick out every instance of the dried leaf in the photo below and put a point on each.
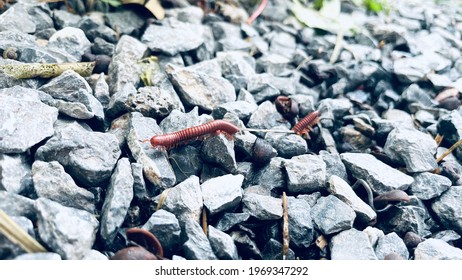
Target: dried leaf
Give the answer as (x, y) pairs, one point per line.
(285, 227)
(204, 221)
(38, 70)
(321, 242)
(162, 198)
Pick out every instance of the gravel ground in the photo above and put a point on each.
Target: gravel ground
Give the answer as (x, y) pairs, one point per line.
(369, 181)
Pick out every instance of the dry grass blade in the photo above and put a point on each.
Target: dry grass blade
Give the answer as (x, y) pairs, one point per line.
(162, 198)
(285, 227)
(204, 221)
(337, 48)
(445, 154)
(438, 139)
(17, 235)
(39, 70)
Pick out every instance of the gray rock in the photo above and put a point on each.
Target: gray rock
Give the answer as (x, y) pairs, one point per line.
(301, 230)
(262, 207)
(380, 176)
(436, 249)
(72, 95)
(241, 109)
(63, 18)
(428, 185)
(17, 205)
(101, 91)
(101, 46)
(305, 174)
(190, 14)
(448, 208)
(331, 215)
(165, 226)
(89, 157)
(274, 64)
(52, 182)
(222, 244)
(173, 37)
(67, 231)
(15, 173)
(118, 198)
(93, 255)
(287, 145)
(414, 69)
(263, 87)
(222, 193)
(273, 251)
(246, 245)
(124, 68)
(17, 18)
(49, 256)
(334, 165)
(406, 218)
(351, 244)
(229, 220)
(119, 128)
(447, 235)
(24, 121)
(413, 148)
(140, 190)
(271, 175)
(374, 234)
(197, 246)
(197, 88)
(343, 191)
(219, 150)
(237, 67)
(283, 44)
(265, 117)
(72, 40)
(125, 21)
(448, 126)
(186, 161)
(391, 243)
(185, 199)
(155, 164)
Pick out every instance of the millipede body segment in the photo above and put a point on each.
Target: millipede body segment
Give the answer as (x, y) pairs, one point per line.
(304, 126)
(215, 127)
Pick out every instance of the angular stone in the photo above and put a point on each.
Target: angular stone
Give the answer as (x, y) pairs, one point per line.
(72, 95)
(380, 176)
(343, 191)
(448, 208)
(125, 22)
(15, 173)
(273, 251)
(301, 227)
(119, 195)
(230, 220)
(89, 157)
(448, 126)
(72, 40)
(265, 117)
(124, 68)
(200, 89)
(222, 244)
(428, 185)
(262, 207)
(287, 145)
(52, 182)
(10, 249)
(305, 174)
(436, 249)
(413, 148)
(17, 205)
(334, 165)
(67, 231)
(271, 175)
(197, 246)
(17, 18)
(165, 226)
(331, 215)
(156, 166)
(185, 199)
(24, 121)
(173, 37)
(222, 193)
(391, 243)
(351, 245)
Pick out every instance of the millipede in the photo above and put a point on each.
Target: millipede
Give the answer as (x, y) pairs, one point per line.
(173, 139)
(305, 125)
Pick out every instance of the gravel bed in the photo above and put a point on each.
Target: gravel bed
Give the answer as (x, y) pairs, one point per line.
(75, 173)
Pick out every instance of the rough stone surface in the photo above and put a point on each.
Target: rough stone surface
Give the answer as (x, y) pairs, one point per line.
(436, 249)
(118, 198)
(305, 173)
(67, 231)
(197, 246)
(222, 244)
(380, 176)
(448, 208)
(222, 193)
(262, 207)
(351, 245)
(165, 226)
(428, 185)
(391, 243)
(331, 215)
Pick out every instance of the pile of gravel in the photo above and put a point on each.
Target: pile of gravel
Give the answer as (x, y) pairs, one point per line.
(75, 175)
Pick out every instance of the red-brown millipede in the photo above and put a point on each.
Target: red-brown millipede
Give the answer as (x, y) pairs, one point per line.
(305, 124)
(173, 139)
